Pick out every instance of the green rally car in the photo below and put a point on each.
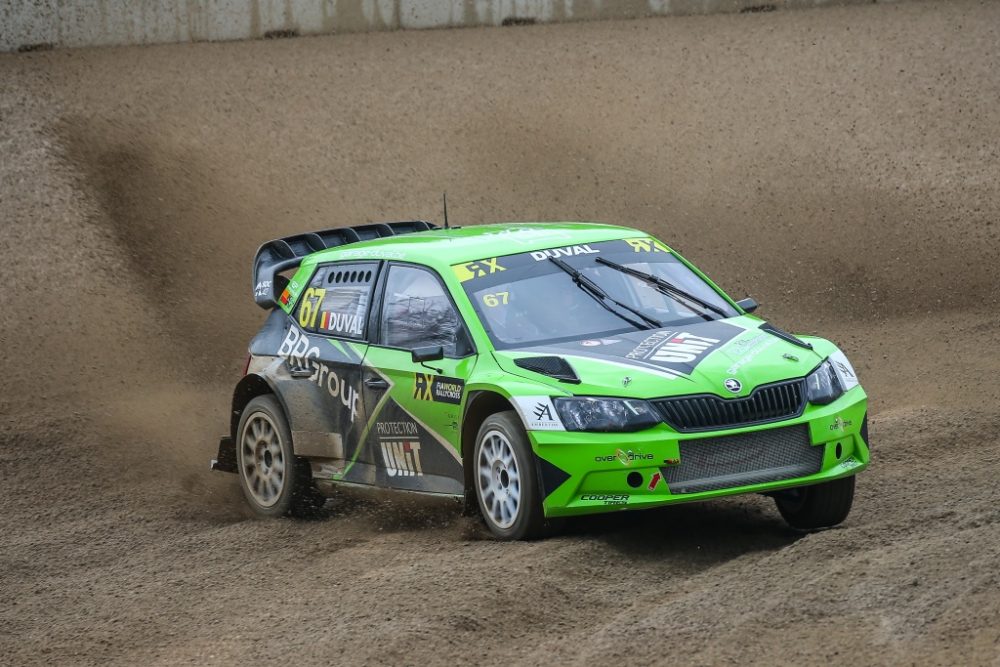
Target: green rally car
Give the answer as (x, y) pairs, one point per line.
(536, 371)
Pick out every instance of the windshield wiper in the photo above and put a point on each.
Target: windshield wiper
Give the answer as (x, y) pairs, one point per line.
(666, 287)
(602, 297)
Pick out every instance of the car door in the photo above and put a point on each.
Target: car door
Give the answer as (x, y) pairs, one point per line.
(321, 355)
(414, 440)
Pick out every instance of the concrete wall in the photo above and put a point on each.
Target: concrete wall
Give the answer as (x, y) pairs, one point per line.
(29, 24)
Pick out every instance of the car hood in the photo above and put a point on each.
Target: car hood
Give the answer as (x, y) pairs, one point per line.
(688, 359)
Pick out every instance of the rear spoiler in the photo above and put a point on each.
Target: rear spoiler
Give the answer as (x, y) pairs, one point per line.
(287, 253)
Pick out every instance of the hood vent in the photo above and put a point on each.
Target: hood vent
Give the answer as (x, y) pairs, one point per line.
(784, 335)
(554, 367)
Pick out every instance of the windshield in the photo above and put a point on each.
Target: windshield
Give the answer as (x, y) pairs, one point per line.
(526, 299)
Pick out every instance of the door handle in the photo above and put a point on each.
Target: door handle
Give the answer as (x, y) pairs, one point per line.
(300, 372)
(376, 383)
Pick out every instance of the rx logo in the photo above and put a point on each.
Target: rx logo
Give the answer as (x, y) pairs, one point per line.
(733, 385)
(422, 384)
(482, 267)
(844, 369)
(644, 245)
(543, 412)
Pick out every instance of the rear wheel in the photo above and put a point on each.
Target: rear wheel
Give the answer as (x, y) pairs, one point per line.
(275, 482)
(506, 485)
(818, 506)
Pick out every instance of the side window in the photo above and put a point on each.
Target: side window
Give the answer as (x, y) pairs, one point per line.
(336, 301)
(416, 312)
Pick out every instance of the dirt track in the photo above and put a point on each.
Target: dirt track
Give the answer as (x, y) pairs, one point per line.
(840, 165)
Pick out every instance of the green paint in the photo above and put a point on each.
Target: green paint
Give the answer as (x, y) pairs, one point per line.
(591, 459)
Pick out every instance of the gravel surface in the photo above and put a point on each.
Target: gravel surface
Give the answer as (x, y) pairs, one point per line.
(841, 165)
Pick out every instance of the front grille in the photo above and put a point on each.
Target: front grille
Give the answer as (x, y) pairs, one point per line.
(707, 412)
(708, 464)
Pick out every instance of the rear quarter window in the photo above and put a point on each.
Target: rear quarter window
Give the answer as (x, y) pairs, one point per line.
(336, 301)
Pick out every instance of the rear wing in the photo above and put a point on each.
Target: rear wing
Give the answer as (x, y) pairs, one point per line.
(287, 253)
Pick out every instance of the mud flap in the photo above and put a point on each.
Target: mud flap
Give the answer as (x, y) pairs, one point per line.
(225, 460)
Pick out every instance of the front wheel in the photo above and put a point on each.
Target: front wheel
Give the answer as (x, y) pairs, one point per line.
(275, 482)
(818, 506)
(506, 485)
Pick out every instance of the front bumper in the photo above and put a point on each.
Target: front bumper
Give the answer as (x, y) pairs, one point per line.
(586, 473)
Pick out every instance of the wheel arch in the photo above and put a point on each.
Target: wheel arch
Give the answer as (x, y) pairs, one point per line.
(248, 388)
(481, 404)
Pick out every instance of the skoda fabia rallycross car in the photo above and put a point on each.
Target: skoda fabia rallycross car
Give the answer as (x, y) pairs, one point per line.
(536, 371)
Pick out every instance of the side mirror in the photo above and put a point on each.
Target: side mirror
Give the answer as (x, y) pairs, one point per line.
(748, 305)
(429, 353)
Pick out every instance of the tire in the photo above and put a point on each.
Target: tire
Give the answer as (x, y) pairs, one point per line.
(818, 506)
(505, 480)
(275, 482)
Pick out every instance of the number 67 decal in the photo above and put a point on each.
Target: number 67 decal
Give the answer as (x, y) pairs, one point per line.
(494, 300)
(309, 310)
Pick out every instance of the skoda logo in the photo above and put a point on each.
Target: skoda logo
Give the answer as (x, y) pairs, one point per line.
(733, 385)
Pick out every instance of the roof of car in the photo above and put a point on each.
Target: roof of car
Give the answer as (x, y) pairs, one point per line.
(445, 247)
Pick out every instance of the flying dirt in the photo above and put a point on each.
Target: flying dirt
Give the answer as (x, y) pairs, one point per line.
(840, 165)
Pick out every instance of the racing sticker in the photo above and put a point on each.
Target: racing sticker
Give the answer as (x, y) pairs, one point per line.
(844, 370)
(646, 245)
(525, 236)
(606, 498)
(538, 413)
(403, 452)
(401, 457)
(340, 310)
(341, 323)
(849, 463)
(682, 350)
(626, 458)
(749, 348)
(299, 352)
(477, 269)
(568, 251)
(309, 308)
(653, 481)
(672, 353)
(439, 388)
(602, 341)
(290, 293)
(372, 253)
(673, 346)
(496, 299)
(840, 424)
(263, 288)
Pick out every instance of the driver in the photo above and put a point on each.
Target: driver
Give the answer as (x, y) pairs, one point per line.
(552, 313)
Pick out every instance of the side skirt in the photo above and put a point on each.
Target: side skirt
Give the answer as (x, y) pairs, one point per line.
(330, 487)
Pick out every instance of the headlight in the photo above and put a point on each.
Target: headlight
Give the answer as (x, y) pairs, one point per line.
(605, 414)
(822, 385)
